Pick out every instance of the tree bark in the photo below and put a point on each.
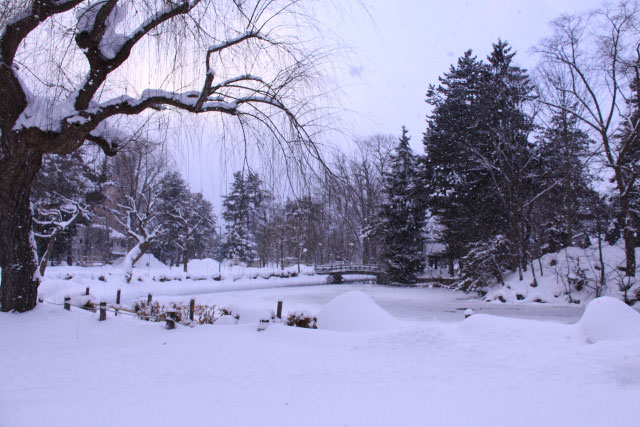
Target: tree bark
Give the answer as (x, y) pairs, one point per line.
(19, 165)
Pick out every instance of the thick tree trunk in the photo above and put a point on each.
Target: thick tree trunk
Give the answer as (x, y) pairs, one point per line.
(18, 258)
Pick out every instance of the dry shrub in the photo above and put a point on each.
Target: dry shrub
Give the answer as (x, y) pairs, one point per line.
(302, 320)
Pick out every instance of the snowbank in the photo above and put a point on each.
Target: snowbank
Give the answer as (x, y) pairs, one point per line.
(607, 319)
(147, 261)
(571, 275)
(355, 311)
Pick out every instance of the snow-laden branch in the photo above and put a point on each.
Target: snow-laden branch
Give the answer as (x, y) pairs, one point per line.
(52, 222)
(104, 48)
(139, 225)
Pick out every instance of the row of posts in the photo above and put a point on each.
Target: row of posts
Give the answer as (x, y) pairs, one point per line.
(171, 314)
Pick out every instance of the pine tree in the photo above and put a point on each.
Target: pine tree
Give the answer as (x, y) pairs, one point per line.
(402, 216)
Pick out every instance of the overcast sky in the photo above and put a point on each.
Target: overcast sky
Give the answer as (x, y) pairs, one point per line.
(398, 49)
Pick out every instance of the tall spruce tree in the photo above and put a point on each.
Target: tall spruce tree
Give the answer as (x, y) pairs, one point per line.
(240, 243)
(459, 191)
(481, 165)
(402, 216)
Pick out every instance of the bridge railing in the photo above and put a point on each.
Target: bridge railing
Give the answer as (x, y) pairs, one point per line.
(344, 267)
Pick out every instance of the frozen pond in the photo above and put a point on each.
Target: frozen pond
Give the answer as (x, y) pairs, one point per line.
(402, 302)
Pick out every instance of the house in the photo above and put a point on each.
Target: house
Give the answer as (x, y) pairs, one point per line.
(97, 244)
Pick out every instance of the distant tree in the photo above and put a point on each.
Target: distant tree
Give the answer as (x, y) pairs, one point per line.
(564, 211)
(193, 222)
(173, 196)
(63, 192)
(303, 219)
(240, 242)
(402, 216)
(258, 211)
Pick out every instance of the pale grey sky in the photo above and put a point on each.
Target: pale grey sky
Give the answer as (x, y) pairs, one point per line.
(403, 46)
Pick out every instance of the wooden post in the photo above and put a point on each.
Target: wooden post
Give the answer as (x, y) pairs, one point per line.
(149, 298)
(118, 297)
(103, 311)
(86, 291)
(279, 311)
(170, 319)
(192, 308)
(67, 303)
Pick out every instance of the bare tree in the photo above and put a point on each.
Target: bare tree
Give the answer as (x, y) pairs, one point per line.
(591, 69)
(63, 76)
(54, 221)
(140, 224)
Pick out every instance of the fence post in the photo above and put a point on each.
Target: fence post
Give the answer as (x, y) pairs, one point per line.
(67, 303)
(149, 298)
(192, 308)
(170, 319)
(86, 291)
(279, 311)
(118, 297)
(103, 311)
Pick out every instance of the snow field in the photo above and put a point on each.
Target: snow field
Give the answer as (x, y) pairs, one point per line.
(66, 368)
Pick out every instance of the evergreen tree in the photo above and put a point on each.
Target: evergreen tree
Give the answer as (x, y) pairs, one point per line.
(173, 197)
(402, 216)
(240, 243)
(480, 166)
(564, 211)
(460, 192)
(259, 200)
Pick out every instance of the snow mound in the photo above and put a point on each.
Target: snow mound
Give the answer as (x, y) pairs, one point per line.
(147, 260)
(608, 318)
(354, 311)
(252, 314)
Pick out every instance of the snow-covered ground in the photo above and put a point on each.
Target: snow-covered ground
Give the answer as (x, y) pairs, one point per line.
(382, 355)
(361, 367)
